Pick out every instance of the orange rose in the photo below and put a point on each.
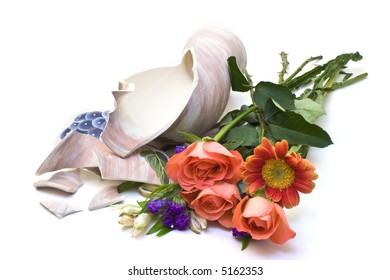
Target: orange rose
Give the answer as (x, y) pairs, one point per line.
(215, 203)
(262, 219)
(203, 164)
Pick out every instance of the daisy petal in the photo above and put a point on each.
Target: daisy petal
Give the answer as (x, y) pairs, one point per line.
(273, 194)
(290, 197)
(281, 149)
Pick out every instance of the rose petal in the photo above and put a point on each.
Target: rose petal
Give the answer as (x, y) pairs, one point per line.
(216, 148)
(176, 160)
(257, 207)
(283, 232)
(226, 220)
(189, 196)
(212, 203)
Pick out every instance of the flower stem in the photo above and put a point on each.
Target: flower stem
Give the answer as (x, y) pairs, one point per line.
(300, 68)
(232, 124)
(285, 64)
(349, 81)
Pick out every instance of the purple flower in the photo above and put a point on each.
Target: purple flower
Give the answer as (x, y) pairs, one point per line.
(244, 194)
(239, 234)
(182, 221)
(173, 215)
(179, 149)
(155, 205)
(175, 208)
(169, 221)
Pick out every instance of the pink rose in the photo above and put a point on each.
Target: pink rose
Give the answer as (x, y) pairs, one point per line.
(262, 219)
(215, 203)
(203, 164)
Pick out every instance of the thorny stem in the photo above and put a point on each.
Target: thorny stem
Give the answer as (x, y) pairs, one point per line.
(248, 77)
(285, 64)
(300, 68)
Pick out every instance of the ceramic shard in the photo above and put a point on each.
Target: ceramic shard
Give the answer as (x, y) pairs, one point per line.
(67, 181)
(59, 209)
(131, 168)
(84, 151)
(75, 151)
(106, 197)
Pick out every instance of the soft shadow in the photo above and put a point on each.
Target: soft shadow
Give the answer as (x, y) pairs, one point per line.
(271, 251)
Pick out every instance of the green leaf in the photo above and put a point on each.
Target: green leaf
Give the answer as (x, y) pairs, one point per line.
(294, 128)
(166, 191)
(303, 150)
(238, 80)
(229, 117)
(251, 117)
(164, 231)
(244, 151)
(156, 227)
(280, 94)
(127, 186)
(245, 242)
(157, 161)
(247, 134)
(143, 204)
(190, 137)
(232, 145)
(309, 109)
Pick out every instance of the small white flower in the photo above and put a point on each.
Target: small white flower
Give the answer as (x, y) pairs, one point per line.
(126, 220)
(197, 223)
(141, 222)
(131, 209)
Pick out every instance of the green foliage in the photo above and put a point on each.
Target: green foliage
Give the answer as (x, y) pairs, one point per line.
(245, 242)
(278, 93)
(166, 191)
(280, 113)
(127, 185)
(238, 80)
(294, 128)
(248, 134)
(159, 228)
(276, 112)
(309, 109)
(189, 136)
(156, 227)
(157, 161)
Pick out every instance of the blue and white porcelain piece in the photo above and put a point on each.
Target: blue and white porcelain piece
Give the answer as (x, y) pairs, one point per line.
(92, 123)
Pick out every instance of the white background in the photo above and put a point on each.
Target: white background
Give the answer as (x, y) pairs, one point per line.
(59, 58)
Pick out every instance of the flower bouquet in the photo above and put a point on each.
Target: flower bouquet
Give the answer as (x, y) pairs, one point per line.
(241, 170)
(253, 166)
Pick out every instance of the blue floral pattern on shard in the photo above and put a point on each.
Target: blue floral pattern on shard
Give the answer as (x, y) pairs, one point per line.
(92, 123)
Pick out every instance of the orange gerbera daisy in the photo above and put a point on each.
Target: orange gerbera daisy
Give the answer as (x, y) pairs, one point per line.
(282, 175)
